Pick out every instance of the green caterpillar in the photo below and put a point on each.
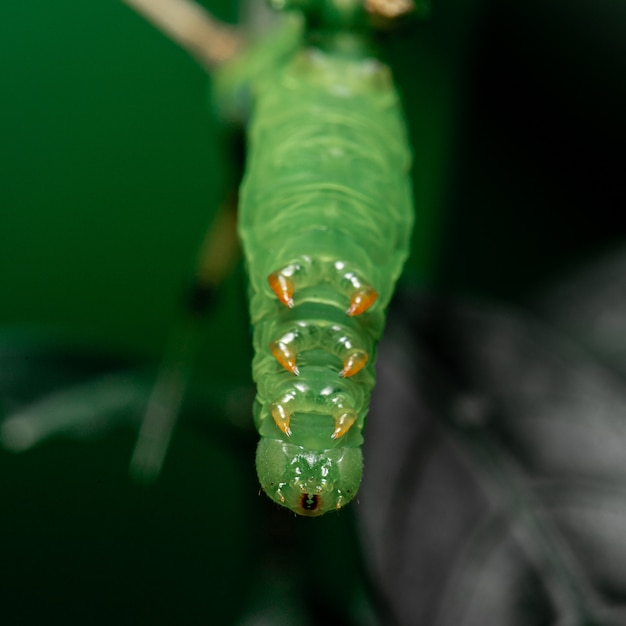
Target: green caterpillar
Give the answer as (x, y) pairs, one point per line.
(325, 219)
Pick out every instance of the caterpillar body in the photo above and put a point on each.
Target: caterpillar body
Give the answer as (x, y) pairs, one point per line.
(325, 219)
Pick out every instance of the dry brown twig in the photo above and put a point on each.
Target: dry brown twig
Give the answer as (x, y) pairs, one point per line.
(193, 28)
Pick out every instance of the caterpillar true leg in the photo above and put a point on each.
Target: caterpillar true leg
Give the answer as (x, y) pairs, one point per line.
(285, 355)
(361, 300)
(343, 424)
(282, 415)
(354, 363)
(282, 286)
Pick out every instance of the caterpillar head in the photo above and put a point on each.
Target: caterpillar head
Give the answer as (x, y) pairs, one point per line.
(308, 482)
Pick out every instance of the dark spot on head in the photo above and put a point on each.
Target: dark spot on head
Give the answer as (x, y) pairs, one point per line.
(309, 502)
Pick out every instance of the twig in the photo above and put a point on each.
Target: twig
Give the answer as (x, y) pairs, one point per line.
(193, 28)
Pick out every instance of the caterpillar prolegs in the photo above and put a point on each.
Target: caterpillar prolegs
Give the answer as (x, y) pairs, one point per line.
(325, 220)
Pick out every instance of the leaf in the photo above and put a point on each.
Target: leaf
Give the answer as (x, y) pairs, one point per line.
(495, 483)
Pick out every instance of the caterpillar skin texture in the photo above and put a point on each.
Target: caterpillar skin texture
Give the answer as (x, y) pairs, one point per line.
(325, 220)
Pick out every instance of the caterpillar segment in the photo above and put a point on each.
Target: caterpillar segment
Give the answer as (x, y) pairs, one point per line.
(334, 338)
(325, 220)
(361, 295)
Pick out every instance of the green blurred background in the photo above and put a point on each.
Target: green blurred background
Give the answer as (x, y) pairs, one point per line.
(110, 172)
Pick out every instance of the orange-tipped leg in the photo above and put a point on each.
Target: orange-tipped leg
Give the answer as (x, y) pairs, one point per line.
(361, 300)
(285, 356)
(353, 363)
(282, 287)
(343, 424)
(282, 417)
